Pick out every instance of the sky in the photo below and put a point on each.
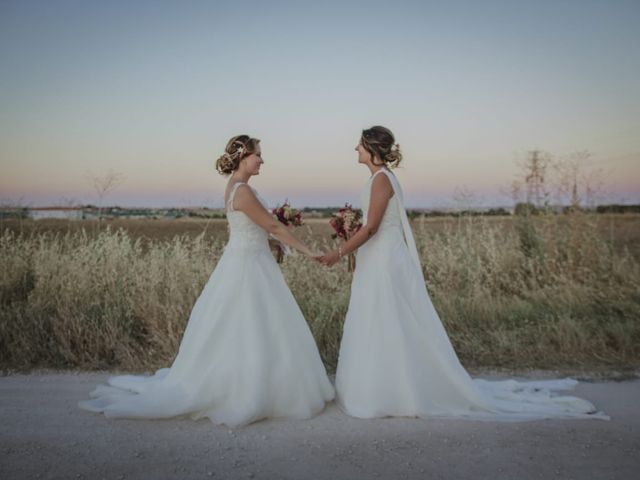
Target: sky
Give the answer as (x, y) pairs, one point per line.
(153, 90)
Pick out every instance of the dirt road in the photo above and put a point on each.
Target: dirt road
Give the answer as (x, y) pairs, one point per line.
(43, 434)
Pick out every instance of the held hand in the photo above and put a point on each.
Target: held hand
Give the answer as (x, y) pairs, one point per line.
(330, 258)
(314, 255)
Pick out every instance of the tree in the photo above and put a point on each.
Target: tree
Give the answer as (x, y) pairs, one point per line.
(464, 198)
(577, 182)
(104, 184)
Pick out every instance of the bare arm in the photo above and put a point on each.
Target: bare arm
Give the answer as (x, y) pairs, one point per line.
(381, 193)
(246, 202)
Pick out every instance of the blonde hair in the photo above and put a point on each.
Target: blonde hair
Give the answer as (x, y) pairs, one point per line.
(237, 148)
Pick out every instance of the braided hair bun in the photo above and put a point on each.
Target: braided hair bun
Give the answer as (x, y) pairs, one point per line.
(237, 148)
(380, 143)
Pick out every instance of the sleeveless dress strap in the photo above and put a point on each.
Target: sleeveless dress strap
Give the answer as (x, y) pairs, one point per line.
(376, 173)
(406, 226)
(381, 170)
(232, 193)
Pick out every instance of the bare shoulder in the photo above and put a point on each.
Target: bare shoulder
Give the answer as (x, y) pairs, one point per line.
(242, 189)
(244, 196)
(382, 185)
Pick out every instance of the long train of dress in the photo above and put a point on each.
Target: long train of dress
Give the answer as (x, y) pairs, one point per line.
(396, 358)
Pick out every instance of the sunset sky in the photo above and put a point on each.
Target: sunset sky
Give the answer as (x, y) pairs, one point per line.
(154, 89)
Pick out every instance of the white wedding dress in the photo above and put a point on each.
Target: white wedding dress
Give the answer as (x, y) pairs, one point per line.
(246, 354)
(396, 358)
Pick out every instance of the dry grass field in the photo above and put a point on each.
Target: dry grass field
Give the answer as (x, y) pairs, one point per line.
(557, 291)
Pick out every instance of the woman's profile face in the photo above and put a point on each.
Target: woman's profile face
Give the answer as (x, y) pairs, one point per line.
(253, 162)
(363, 155)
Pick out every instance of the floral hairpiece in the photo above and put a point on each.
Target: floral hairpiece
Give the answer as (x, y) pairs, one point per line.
(241, 148)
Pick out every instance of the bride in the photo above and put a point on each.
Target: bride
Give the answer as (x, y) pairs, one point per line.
(395, 358)
(247, 352)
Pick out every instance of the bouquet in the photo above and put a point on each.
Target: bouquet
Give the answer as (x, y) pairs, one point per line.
(346, 222)
(289, 217)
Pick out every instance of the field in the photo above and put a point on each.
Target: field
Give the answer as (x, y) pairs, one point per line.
(556, 291)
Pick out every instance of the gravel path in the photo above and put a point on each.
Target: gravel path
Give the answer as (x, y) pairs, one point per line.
(43, 434)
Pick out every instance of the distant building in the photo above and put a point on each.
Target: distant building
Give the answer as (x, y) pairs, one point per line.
(55, 212)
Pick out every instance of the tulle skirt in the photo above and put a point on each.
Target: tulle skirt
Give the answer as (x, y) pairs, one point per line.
(246, 354)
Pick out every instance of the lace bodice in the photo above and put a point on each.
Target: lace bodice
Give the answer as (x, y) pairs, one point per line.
(391, 217)
(244, 233)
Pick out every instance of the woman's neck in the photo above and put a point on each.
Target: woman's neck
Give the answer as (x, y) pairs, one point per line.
(374, 168)
(240, 177)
